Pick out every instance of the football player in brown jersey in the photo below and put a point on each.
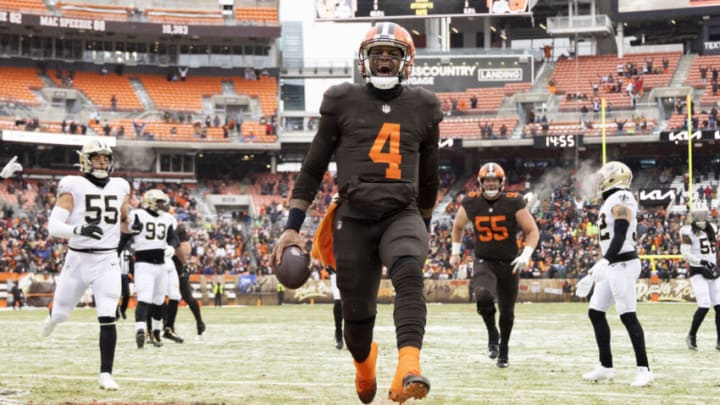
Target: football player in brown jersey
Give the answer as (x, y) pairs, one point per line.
(385, 140)
(496, 217)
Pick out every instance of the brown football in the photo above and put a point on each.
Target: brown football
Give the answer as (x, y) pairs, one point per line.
(294, 269)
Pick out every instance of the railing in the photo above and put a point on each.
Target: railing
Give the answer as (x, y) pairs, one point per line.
(580, 23)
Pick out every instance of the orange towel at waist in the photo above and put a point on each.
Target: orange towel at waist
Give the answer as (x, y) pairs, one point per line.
(322, 248)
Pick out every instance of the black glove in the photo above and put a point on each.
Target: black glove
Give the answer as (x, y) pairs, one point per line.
(91, 230)
(710, 270)
(136, 226)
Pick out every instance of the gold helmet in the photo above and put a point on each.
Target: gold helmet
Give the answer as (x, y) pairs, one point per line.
(155, 200)
(614, 175)
(91, 148)
(699, 213)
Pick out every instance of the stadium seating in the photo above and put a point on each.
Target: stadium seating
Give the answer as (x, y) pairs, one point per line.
(93, 11)
(100, 89)
(576, 76)
(257, 15)
(469, 128)
(24, 6)
(17, 85)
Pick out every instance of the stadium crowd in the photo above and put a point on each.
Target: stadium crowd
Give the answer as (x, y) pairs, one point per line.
(236, 242)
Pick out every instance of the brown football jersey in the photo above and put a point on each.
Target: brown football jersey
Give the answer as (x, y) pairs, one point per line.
(376, 141)
(495, 227)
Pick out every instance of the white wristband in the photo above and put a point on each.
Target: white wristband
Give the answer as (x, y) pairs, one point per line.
(455, 248)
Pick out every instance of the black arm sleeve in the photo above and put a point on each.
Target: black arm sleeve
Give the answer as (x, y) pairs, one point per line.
(172, 238)
(429, 179)
(317, 159)
(124, 239)
(620, 228)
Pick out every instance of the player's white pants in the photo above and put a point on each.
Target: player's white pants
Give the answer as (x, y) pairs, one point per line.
(150, 282)
(618, 286)
(101, 271)
(707, 292)
(173, 281)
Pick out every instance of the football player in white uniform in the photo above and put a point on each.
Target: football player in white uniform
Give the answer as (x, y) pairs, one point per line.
(154, 247)
(698, 248)
(616, 272)
(90, 211)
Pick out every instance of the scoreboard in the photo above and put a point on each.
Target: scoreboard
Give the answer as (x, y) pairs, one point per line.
(395, 9)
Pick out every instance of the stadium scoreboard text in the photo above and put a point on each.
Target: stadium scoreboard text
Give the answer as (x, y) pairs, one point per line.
(557, 141)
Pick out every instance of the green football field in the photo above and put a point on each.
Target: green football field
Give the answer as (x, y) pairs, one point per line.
(286, 355)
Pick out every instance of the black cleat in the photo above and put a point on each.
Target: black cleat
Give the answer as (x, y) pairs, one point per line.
(492, 351)
(502, 361)
(154, 338)
(691, 342)
(338, 341)
(140, 338)
(169, 333)
(200, 328)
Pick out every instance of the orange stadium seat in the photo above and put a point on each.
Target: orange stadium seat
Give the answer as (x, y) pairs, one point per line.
(259, 15)
(25, 6)
(93, 11)
(17, 84)
(100, 89)
(576, 76)
(185, 16)
(469, 128)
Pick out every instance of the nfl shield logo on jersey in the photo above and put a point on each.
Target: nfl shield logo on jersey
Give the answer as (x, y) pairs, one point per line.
(385, 108)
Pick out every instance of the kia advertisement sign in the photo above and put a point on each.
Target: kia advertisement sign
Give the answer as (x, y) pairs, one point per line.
(459, 73)
(656, 196)
(682, 136)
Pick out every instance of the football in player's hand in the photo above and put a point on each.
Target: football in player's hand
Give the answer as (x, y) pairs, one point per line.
(294, 269)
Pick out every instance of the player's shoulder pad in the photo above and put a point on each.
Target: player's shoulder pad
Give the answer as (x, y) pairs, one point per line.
(69, 183)
(340, 90)
(429, 99)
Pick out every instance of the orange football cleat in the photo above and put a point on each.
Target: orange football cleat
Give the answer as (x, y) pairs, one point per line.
(365, 382)
(408, 382)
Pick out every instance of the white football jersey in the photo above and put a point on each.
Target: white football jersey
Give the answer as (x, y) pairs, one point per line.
(700, 245)
(91, 204)
(606, 221)
(155, 229)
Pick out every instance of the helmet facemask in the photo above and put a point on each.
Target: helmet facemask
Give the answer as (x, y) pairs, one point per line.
(397, 50)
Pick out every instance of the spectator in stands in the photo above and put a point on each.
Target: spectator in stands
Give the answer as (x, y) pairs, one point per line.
(620, 70)
(113, 103)
(183, 71)
(547, 52)
(583, 112)
(714, 87)
(503, 131)
(551, 87)
(473, 101)
(665, 64)
(104, 70)
(216, 121)
(620, 126)
(363, 246)
(703, 74)
(715, 74)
